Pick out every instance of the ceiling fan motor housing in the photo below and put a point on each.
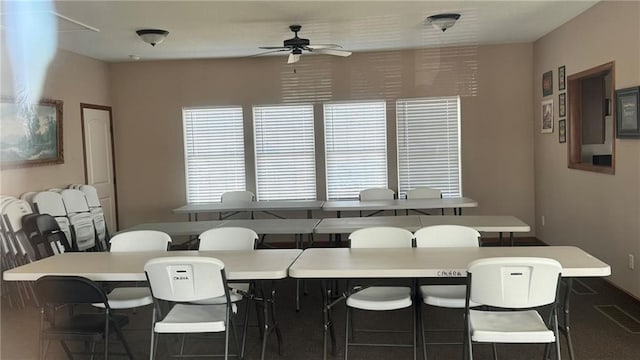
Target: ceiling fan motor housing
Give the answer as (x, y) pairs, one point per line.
(296, 42)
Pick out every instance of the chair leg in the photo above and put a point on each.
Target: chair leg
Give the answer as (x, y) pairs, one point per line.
(274, 320)
(66, 349)
(347, 332)
(422, 331)
(415, 334)
(124, 342)
(245, 326)
(495, 351)
(184, 336)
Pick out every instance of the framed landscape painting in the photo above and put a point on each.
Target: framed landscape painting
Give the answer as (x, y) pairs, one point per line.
(30, 135)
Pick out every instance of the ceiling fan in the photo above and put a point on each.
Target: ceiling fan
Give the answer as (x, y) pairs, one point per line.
(297, 45)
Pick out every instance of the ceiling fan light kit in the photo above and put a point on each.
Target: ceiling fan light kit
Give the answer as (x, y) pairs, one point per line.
(443, 21)
(152, 36)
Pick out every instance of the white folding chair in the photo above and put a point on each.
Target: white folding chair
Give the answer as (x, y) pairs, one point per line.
(513, 287)
(83, 232)
(236, 197)
(15, 242)
(50, 202)
(379, 298)
(135, 241)
(376, 194)
(95, 208)
(424, 192)
(183, 281)
(447, 296)
(232, 238)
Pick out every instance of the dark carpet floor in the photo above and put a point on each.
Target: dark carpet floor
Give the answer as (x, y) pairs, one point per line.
(595, 336)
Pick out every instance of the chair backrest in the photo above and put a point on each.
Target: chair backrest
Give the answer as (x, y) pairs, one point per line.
(74, 201)
(49, 202)
(237, 196)
(374, 194)
(140, 240)
(91, 195)
(13, 213)
(55, 289)
(513, 282)
(381, 237)
(228, 238)
(424, 192)
(447, 236)
(28, 197)
(186, 278)
(45, 236)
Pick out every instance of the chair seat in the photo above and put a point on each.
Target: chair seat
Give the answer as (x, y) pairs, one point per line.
(186, 318)
(128, 297)
(448, 296)
(90, 326)
(233, 295)
(381, 298)
(509, 327)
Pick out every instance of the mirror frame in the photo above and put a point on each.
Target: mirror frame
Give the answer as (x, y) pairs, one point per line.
(574, 119)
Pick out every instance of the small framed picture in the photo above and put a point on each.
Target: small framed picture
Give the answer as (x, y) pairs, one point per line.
(547, 83)
(546, 120)
(628, 113)
(562, 131)
(562, 78)
(562, 105)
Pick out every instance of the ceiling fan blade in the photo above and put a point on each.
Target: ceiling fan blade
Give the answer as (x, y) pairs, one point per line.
(293, 58)
(323, 46)
(335, 52)
(269, 52)
(273, 47)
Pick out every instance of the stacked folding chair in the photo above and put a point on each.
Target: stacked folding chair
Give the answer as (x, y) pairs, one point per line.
(95, 209)
(45, 236)
(82, 230)
(50, 202)
(19, 251)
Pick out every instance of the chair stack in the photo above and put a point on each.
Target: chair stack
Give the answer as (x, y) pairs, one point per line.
(51, 203)
(95, 208)
(80, 219)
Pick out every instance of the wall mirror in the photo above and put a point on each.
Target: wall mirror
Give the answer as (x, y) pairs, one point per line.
(591, 124)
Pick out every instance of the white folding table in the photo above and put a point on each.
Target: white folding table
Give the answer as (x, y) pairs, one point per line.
(482, 223)
(272, 264)
(250, 206)
(345, 263)
(180, 228)
(400, 204)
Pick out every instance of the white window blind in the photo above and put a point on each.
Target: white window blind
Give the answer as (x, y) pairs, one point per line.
(214, 152)
(428, 133)
(285, 152)
(355, 147)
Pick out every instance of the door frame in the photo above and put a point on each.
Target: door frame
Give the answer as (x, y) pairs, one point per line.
(113, 154)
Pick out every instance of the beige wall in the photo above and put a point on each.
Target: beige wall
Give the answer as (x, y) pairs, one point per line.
(597, 212)
(495, 83)
(74, 79)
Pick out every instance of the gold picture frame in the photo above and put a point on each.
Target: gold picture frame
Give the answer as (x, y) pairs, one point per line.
(30, 135)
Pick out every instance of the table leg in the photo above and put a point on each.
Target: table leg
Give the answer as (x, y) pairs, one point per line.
(566, 328)
(270, 322)
(511, 237)
(500, 237)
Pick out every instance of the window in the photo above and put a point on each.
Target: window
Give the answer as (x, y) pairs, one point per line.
(428, 132)
(285, 152)
(355, 147)
(214, 152)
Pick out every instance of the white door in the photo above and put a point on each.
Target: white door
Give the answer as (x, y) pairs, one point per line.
(98, 159)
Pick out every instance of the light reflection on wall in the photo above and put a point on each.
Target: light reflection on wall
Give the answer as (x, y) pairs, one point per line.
(30, 30)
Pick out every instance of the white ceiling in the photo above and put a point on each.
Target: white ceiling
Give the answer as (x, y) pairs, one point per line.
(216, 29)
